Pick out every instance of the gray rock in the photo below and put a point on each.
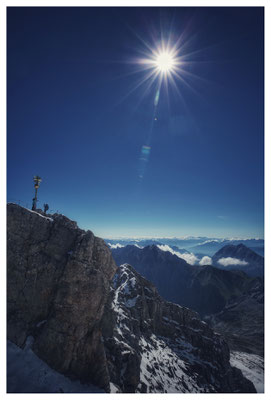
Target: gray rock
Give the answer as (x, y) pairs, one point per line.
(156, 346)
(58, 280)
(241, 321)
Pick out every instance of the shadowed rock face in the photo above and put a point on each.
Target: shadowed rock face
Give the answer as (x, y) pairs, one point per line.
(58, 281)
(156, 346)
(205, 289)
(241, 321)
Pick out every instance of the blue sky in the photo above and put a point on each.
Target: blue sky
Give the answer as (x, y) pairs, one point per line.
(74, 119)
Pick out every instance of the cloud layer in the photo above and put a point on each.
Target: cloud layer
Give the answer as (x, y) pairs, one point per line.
(206, 261)
(226, 261)
(190, 258)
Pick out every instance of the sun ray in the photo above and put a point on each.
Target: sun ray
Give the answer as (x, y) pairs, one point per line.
(183, 72)
(149, 85)
(140, 82)
(170, 59)
(190, 87)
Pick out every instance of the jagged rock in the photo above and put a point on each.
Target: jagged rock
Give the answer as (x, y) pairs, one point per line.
(156, 346)
(58, 281)
(210, 291)
(123, 338)
(241, 321)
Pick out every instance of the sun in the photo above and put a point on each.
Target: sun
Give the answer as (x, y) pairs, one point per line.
(164, 62)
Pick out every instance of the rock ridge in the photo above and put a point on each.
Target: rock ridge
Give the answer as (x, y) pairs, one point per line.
(155, 346)
(58, 281)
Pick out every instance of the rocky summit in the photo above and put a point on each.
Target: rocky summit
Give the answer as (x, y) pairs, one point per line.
(58, 280)
(89, 320)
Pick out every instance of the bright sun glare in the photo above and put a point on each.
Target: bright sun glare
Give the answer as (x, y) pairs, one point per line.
(164, 62)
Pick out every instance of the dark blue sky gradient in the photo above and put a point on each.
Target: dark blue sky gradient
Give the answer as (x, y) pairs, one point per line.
(72, 120)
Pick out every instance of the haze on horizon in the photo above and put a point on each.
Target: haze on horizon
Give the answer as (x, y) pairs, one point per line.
(81, 116)
(136, 234)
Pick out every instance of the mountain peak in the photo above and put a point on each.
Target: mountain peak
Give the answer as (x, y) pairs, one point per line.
(239, 257)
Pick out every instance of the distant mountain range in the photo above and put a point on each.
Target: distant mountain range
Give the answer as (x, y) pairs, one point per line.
(200, 246)
(210, 247)
(229, 257)
(206, 289)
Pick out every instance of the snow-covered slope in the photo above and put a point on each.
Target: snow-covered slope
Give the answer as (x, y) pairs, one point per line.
(252, 367)
(155, 346)
(26, 373)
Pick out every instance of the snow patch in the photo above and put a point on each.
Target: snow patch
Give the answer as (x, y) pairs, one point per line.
(40, 215)
(252, 367)
(131, 302)
(26, 373)
(164, 369)
(113, 388)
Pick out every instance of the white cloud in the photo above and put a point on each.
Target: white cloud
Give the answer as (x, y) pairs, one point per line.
(206, 261)
(226, 261)
(190, 258)
(115, 246)
(210, 241)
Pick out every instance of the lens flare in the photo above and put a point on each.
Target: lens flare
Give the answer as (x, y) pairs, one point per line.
(165, 61)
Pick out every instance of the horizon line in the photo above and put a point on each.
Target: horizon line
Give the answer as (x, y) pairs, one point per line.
(180, 237)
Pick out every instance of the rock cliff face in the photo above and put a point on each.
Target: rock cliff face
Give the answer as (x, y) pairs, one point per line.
(58, 281)
(241, 321)
(156, 346)
(121, 337)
